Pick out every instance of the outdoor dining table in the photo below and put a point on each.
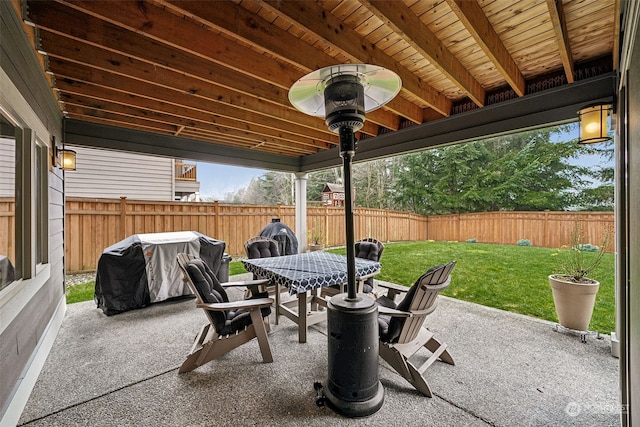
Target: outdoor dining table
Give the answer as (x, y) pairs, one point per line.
(304, 275)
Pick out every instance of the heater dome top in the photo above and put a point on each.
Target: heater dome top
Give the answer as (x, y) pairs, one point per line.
(380, 86)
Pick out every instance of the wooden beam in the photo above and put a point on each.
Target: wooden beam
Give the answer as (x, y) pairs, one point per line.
(238, 22)
(101, 99)
(616, 34)
(76, 74)
(165, 79)
(158, 24)
(473, 18)
(556, 13)
(97, 100)
(142, 125)
(404, 22)
(312, 18)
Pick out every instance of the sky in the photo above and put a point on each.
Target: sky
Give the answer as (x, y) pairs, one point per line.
(217, 180)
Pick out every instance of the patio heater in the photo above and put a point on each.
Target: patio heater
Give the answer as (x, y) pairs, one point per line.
(343, 94)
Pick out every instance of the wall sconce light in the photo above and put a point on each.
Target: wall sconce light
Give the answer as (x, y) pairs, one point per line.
(593, 124)
(67, 159)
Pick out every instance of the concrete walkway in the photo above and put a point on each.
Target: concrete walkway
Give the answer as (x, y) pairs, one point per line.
(510, 370)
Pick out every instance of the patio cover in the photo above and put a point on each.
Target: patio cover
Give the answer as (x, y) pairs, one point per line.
(142, 268)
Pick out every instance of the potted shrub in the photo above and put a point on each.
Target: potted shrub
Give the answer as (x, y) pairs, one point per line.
(574, 293)
(315, 236)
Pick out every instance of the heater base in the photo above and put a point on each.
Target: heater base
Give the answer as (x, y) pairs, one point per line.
(353, 388)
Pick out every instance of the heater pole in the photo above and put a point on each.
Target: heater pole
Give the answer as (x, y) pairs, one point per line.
(347, 151)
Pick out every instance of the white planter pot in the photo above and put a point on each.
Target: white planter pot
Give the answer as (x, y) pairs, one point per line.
(574, 301)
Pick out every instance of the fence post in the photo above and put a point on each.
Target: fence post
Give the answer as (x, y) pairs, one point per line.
(123, 216)
(216, 219)
(388, 225)
(546, 228)
(279, 210)
(326, 226)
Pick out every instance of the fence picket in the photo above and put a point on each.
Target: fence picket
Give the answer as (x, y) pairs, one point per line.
(94, 224)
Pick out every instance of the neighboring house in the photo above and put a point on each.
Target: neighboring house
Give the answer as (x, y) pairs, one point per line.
(333, 195)
(114, 174)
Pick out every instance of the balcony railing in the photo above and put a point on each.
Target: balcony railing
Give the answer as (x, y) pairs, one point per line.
(185, 171)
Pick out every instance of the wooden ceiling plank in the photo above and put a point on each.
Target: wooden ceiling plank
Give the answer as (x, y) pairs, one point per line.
(165, 79)
(239, 22)
(160, 25)
(250, 140)
(98, 99)
(318, 21)
(286, 118)
(73, 75)
(120, 120)
(616, 35)
(148, 20)
(560, 28)
(91, 31)
(116, 120)
(403, 21)
(473, 18)
(199, 41)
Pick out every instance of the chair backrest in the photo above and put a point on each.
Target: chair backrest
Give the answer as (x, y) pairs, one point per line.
(378, 244)
(421, 298)
(205, 286)
(261, 247)
(370, 249)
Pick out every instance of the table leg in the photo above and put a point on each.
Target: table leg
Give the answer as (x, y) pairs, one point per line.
(277, 304)
(302, 317)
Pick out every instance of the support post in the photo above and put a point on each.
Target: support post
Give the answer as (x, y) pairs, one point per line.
(301, 210)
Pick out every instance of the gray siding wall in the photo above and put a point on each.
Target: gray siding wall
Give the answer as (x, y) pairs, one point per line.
(30, 310)
(113, 174)
(628, 261)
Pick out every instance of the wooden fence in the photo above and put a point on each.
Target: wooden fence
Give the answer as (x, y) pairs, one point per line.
(94, 224)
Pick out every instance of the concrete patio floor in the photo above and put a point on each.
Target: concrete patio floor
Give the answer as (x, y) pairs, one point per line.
(510, 370)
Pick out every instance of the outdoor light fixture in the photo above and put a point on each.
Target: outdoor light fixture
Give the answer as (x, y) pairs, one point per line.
(342, 94)
(67, 159)
(593, 124)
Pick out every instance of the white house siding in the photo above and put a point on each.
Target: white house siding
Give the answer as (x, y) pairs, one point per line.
(31, 310)
(112, 174)
(7, 167)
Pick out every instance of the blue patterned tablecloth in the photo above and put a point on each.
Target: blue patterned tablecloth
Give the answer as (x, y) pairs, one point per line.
(303, 272)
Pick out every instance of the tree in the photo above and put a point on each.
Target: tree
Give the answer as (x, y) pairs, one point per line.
(526, 171)
(600, 195)
(269, 188)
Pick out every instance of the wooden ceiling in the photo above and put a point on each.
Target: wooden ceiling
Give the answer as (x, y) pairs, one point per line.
(220, 71)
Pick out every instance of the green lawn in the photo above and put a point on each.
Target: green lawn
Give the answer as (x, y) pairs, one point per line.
(512, 278)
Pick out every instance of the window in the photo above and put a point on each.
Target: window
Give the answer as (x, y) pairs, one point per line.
(8, 271)
(42, 203)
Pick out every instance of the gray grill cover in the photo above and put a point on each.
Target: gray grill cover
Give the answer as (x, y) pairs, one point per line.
(278, 231)
(142, 269)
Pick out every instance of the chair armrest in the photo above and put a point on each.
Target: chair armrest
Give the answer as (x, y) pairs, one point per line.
(393, 289)
(393, 286)
(366, 276)
(235, 305)
(393, 312)
(245, 283)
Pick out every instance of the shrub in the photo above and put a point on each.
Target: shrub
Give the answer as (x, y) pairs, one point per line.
(524, 242)
(587, 247)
